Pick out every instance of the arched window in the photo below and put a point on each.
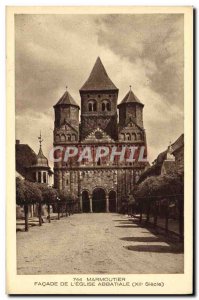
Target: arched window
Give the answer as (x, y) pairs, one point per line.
(68, 137)
(63, 138)
(106, 106)
(128, 136)
(92, 105)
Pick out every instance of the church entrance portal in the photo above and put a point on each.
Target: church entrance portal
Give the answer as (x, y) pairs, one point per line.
(85, 202)
(99, 200)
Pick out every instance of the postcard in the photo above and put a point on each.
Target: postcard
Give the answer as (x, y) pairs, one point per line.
(99, 150)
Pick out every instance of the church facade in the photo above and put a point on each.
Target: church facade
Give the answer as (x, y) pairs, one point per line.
(103, 185)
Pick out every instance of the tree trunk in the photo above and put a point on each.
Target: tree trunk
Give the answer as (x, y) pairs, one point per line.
(167, 217)
(49, 220)
(39, 214)
(26, 217)
(58, 211)
(66, 210)
(155, 214)
(140, 213)
(181, 218)
(148, 212)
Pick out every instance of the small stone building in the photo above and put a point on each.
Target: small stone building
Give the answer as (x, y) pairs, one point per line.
(103, 185)
(31, 166)
(167, 162)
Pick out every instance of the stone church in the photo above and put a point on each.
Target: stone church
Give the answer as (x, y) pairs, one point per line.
(103, 185)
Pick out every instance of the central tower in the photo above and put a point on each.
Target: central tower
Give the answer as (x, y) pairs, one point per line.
(98, 103)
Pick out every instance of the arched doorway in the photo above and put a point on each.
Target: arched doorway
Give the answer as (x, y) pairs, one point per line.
(85, 202)
(112, 201)
(99, 200)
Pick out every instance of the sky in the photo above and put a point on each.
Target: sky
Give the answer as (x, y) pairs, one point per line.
(55, 51)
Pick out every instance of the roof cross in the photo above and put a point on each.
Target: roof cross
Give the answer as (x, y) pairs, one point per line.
(40, 139)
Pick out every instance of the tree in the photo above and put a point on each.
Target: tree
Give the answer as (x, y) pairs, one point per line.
(49, 196)
(33, 195)
(154, 188)
(27, 193)
(143, 194)
(131, 204)
(68, 199)
(21, 200)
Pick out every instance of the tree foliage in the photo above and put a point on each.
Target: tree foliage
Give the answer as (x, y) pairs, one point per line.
(27, 192)
(20, 191)
(66, 196)
(49, 195)
(32, 192)
(159, 186)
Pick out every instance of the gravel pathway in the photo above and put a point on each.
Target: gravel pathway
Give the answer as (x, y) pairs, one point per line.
(95, 244)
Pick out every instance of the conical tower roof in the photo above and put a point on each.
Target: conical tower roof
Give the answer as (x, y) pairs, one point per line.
(130, 98)
(42, 161)
(98, 79)
(66, 99)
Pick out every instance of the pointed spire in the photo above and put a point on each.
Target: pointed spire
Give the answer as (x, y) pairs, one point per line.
(130, 98)
(66, 99)
(40, 145)
(98, 79)
(41, 159)
(40, 139)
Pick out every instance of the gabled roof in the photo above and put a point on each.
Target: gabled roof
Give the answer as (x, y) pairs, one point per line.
(130, 98)
(178, 143)
(161, 157)
(68, 124)
(169, 166)
(102, 136)
(98, 79)
(66, 99)
(25, 158)
(128, 123)
(153, 170)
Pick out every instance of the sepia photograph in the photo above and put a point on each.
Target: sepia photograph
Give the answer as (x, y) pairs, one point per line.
(100, 136)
